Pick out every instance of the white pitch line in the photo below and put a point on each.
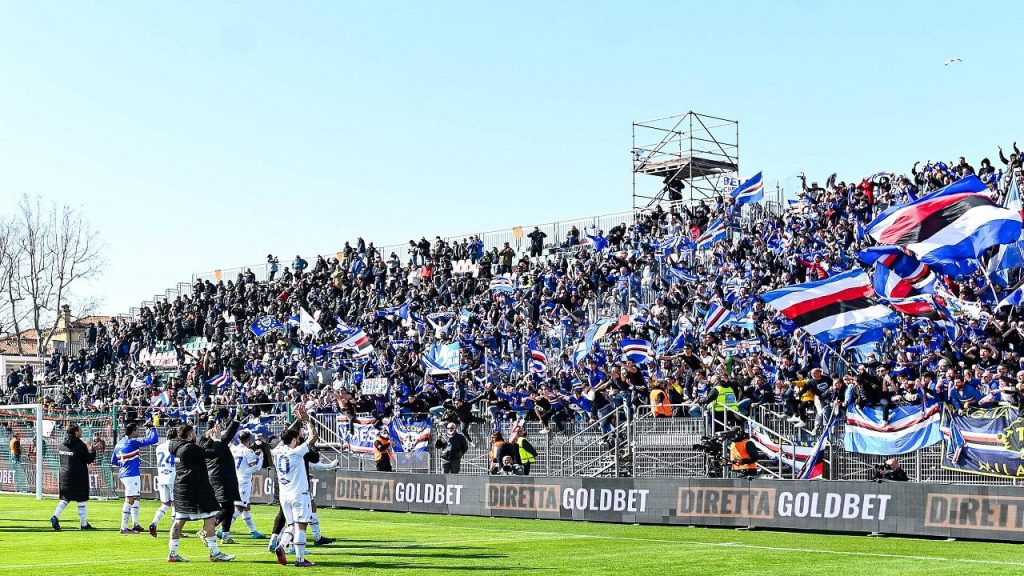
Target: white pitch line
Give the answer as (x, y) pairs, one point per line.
(698, 544)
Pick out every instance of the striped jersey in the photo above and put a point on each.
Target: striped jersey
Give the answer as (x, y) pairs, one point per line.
(126, 453)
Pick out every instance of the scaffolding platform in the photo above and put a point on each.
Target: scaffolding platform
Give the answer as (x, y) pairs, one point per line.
(694, 156)
(702, 167)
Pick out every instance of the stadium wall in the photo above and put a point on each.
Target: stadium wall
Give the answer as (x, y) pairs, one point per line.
(904, 509)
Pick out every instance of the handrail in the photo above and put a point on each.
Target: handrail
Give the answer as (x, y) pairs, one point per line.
(782, 441)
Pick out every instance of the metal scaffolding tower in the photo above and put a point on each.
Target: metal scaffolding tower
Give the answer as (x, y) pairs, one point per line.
(695, 156)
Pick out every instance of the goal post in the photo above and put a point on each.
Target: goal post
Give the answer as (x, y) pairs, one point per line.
(42, 434)
(23, 472)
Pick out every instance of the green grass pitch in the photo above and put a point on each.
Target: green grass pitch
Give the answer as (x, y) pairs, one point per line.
(394, 543)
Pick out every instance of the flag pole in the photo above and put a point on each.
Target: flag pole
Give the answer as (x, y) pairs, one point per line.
(991, 286)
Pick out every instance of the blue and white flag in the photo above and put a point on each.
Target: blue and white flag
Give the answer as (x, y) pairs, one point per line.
(442, 359)
(502, 284)
(716, 317)
(814, 467)
(742, 347)
(410, 433)
(639, 351)
(950, 228)
(265, 324)
(715, 232)
(910, 428)
(750, 191)
(744, 319)
(307, 323)
(220, 381)
(1013, 298)
(1011, 255)
(675, 274)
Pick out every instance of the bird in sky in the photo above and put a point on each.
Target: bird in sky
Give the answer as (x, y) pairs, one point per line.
(952, 61)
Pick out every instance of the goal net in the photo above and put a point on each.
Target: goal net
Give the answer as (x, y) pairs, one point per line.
(29, 442)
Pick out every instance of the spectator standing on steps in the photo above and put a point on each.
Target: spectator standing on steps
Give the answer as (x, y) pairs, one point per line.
(536, 242)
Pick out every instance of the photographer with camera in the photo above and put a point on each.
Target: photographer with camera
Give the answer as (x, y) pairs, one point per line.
(743, 455)
(452, 449)
(502, 451)
(890, 471)
(508, 467)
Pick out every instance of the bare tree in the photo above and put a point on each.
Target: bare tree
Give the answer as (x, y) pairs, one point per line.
(59, 249)
(12, 312)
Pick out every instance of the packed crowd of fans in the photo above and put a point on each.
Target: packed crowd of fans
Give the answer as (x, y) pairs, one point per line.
(407, 301)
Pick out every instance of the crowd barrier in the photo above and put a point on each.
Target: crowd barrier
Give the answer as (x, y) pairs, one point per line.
(904, 509)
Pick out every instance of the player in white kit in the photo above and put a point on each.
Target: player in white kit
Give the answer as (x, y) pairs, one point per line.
(165, 474)
(247, 462)
(294, 488)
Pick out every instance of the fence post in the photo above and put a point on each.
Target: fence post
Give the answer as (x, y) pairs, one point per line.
(615, 431)
(547, 454)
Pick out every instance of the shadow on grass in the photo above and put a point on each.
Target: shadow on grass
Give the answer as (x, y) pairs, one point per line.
(383, 565)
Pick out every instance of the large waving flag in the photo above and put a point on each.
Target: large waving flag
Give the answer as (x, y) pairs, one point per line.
(716, 317)
(750, 191)
(948, 226)
(897, 274)
(442, 359)
(638, 351)
(1012, 255)
(910, 428)
(715, 232)
(833, 309)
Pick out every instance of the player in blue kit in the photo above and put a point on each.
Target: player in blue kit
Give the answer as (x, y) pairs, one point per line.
(126, 458)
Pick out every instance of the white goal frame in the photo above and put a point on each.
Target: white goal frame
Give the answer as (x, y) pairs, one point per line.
(38, 409)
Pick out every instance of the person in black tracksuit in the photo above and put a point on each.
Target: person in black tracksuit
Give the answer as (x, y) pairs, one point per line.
(194, 497)
(453, 449)
(75, 457)
(221, 468)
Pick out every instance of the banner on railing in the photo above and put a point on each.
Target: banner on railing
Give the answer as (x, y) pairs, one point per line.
(986, 442)
(408, 434)
(793, 455)
(909, 428)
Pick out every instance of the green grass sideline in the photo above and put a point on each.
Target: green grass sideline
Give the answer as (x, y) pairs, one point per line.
(395, 543)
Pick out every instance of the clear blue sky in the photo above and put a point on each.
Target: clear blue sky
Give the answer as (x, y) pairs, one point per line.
(204, 135)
